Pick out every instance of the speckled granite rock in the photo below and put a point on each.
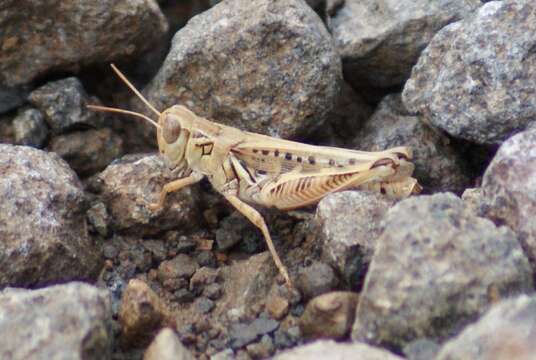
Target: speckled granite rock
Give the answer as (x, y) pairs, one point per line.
(42, 221)
(436, 268)
(477, 78)
(129, 185)
(438, 166)
(71, 321)
(277, 70)
(43, 36)
(507, 331)
(380, 41)
(509, 188)
(348, 225)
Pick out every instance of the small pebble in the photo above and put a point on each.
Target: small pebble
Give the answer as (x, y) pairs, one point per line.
(183, 296)
(204, 305)
(277, 307)
(206, 258)
(213, 291)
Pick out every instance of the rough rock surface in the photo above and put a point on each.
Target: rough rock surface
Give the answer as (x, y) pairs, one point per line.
(435, 269)
(64, 104)
(348, 225)
(329, 349)
(129, 185)
(88, 152)
(509, 188)
(42, 36)
(438, 167)
(167, 346)
(42, 217)
(329, 315)
(507, 331)
(277, 70)
(380, 41)
(71, 321)
(30, 128)
(141, 313)
(477, 78)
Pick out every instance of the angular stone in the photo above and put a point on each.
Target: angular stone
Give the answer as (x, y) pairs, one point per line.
(476, 80)
(42, 36)
(436, 268)
(380, 41)
(70, 321)
(88, 152)
(167, 346)
(329, 315)
(348, 225)
(329, 349)
(129, 185)
(277, 70)
(64, 104)
(141, 313)
(181, 266)
(42, 221)
(506, 331)
(438, 166)
(509, 189)
(30, 128)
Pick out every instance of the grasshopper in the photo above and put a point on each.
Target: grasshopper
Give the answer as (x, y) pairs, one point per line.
(253, 169)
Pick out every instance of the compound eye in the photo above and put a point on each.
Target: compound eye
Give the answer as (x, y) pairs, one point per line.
(171, 129)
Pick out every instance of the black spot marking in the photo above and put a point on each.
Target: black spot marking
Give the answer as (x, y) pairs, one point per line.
(265, 152)
(255, 151)
(331, 162)
(261, 172)
(351, 161)
(299, 159)
(288, 156)
(312, 160)
(382, 190)
(276, 153)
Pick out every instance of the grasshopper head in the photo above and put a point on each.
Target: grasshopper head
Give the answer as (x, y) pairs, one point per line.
(174, 130)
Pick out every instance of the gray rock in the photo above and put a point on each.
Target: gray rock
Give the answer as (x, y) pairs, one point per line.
(167, 346)
(30, 128)
(71, 321)
(233, 229)
(204, 305)
(476, 79)
(97, 217)
(129, 185)
(507, 331)
(329, 315)
(181, 265)
(42, 221)
(421, 349)
(262, 349)
(64, 104)
(41, 36)
(277, 70)
(243, 334)
(347, 226)
(11, 98)
(438, 167)
(316, 279)
(329, 349)
(434, 267)
(88, 152)
(380, 41)
(509, 188)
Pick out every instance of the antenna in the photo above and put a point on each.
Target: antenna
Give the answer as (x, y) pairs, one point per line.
(121, 111)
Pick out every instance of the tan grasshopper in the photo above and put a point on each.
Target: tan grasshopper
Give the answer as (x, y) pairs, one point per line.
(248, 168)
